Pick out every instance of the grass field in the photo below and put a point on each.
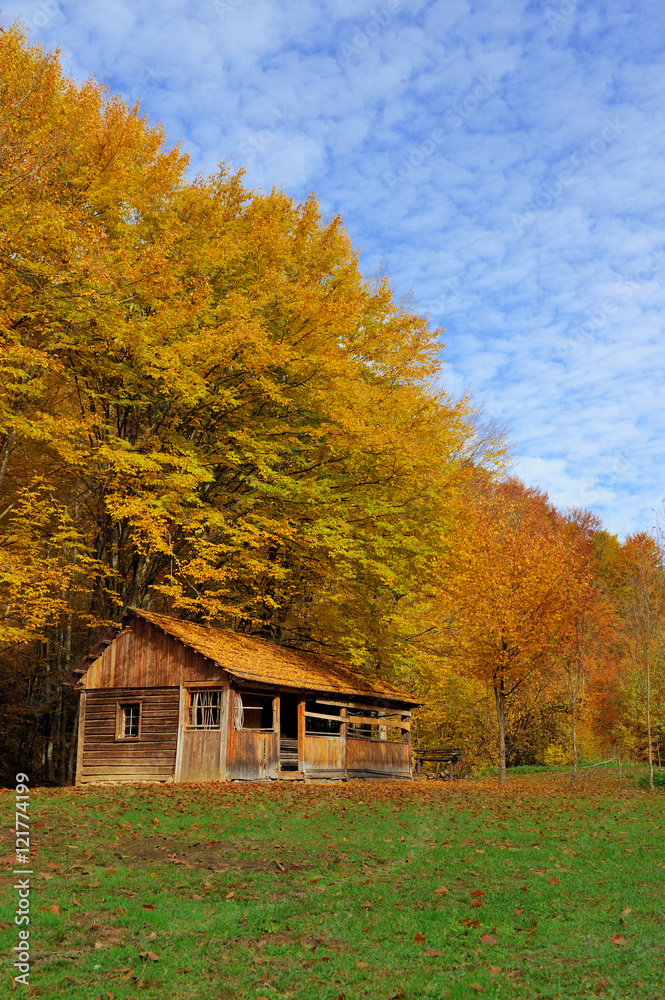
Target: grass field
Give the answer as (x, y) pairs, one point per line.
(362, 891)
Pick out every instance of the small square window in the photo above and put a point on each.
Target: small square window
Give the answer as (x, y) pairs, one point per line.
(130, 716)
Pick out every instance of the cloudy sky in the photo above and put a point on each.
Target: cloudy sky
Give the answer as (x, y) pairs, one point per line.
(502, 161)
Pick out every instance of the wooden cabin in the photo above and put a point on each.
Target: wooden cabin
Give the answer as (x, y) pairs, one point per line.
(168, 700)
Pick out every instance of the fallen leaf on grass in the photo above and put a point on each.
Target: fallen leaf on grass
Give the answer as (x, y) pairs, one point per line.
(477, 986)
(50, 909)
(182, 972)
(618, 939)
(149, 954)
(419, 938)
(468, 922)
(553, 881)
(147, 906)
(601, 984)
(433, 954)
(110, 870)
(488, 939)
(5, 927)
(361, 965)
(442, 891)
(478, 893)
(517, 912)
(495, 970)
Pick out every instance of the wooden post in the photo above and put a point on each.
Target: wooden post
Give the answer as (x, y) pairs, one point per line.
(301, 735)
(182, 719)
(344, 729)
(406, 737)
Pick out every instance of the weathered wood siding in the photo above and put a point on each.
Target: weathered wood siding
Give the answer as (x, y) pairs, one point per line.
(250, 755)
(202, 752)
(144, 656)
(151, 757)
(377, 759)
(324, 757)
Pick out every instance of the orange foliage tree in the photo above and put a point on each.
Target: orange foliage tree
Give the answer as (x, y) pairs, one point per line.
(590, 620)
(505, 594)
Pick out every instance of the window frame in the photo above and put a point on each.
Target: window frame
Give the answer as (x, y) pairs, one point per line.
(239, 712)
(120, 706)
(195, 689)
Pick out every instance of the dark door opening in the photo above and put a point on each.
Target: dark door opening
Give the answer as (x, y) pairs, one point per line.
(288, 733)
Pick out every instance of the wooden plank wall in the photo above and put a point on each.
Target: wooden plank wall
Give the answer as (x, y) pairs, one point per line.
(378, 759)
(144, 656)
(149, 758)
(324, 757)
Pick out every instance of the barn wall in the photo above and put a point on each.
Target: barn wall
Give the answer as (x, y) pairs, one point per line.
(378, 759)
(144, 656)
(324, 756)
(102, 757)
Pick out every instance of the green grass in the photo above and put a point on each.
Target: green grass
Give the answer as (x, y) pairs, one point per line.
(321, 892)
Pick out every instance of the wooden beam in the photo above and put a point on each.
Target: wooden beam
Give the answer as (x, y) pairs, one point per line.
(364, 708)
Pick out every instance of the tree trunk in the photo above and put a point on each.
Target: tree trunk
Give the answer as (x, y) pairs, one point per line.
(573, 777)
(74, 744)
(649, 723)
(501, 715)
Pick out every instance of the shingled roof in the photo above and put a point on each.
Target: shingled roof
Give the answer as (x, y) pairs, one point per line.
(249, 658)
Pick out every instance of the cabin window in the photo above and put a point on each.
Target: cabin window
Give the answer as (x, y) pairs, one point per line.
(317, 723)
(128, 721)
(205, 709)
(254, 712)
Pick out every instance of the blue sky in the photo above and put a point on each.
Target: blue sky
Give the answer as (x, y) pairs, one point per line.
(502, 162)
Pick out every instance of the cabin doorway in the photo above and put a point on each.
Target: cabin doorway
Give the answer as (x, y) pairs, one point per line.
(288, 733)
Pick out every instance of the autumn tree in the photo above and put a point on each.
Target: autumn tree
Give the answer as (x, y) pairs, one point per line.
(590, 616)
(505, 594)
(204, 406)
(644, 605)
